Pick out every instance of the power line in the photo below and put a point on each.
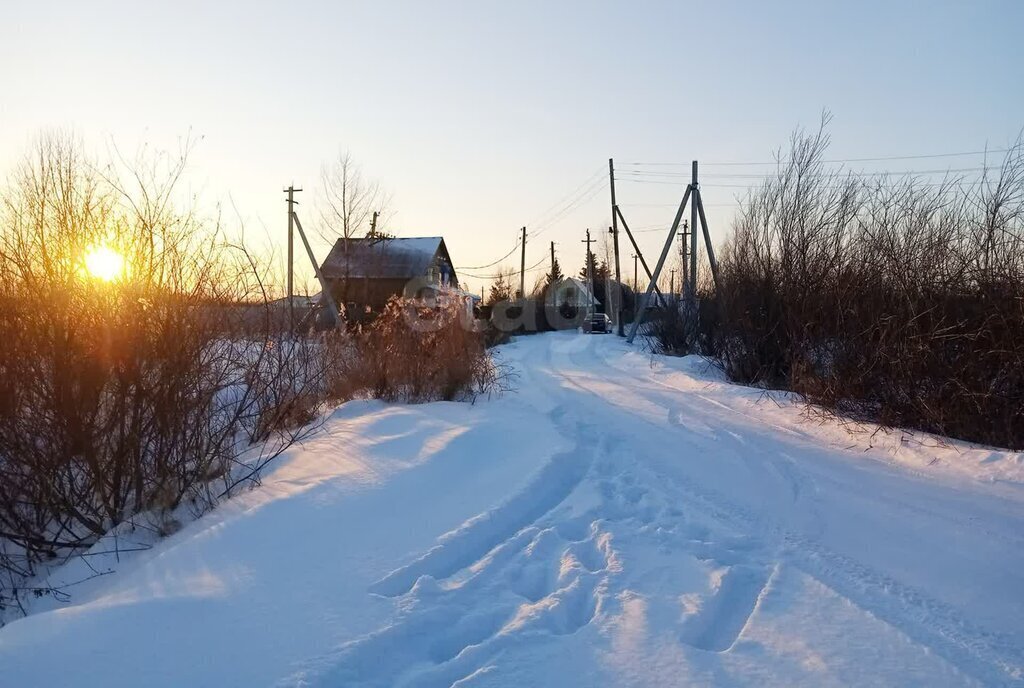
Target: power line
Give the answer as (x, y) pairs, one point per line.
(498, 274)
(538, 220)
(755, 184)
(481, 267)
(674, 205)
(538, 265)
(879, 173)
(582, 193)
(594, 189)
(836, 160)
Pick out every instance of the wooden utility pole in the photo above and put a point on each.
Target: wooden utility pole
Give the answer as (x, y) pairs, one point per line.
(590, 270)
(608, 288)
(373, 224)
(636, 285)
(522, 268)
(552, 260)
(615, 242)
(693, 242)
(672, 282)
(291, 191)
(325, 292)
(684, 237)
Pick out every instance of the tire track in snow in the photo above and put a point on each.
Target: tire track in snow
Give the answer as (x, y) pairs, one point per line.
(478, 536)
(992, 658)
(718, 625)
(524, 575)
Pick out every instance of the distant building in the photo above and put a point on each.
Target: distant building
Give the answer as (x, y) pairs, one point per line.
(571, 292)
(363, 274)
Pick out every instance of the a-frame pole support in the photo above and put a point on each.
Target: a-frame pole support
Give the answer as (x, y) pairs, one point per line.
(719, 293)
(640, 255)
(707, 242)
(697, 210)
(325, 292)
(661, 264)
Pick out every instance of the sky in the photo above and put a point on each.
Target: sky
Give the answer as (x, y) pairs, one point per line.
(481, 117)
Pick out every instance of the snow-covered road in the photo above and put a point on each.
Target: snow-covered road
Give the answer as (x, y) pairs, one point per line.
(617, 521)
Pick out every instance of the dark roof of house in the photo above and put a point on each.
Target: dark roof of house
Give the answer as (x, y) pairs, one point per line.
(394, 258)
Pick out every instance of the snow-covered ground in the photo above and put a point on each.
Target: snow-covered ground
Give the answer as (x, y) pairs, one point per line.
(617, 521)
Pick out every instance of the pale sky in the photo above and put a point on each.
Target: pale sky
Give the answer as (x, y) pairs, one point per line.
(480, 117)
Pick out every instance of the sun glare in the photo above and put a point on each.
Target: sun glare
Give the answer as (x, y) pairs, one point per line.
(104, 263)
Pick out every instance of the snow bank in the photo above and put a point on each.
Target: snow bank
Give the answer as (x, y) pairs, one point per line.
(618, 521)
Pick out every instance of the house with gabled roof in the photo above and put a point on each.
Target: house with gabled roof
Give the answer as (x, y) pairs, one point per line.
(364, 273)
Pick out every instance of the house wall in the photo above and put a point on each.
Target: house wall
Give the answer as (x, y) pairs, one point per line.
(363, 292)
(365, 297)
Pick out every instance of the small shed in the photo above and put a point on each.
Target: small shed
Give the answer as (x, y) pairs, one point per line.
(572, 292)
(364, 273)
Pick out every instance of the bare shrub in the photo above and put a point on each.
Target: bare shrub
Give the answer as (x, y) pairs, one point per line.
(681, 327)
(143, 393)
(174, 383)
(898, 300)
(418, 353)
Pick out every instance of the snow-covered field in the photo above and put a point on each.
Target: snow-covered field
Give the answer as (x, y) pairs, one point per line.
(617, 521)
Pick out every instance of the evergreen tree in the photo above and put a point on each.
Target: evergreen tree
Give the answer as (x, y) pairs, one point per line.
(554, 275)
(585, 270)
(501, 290)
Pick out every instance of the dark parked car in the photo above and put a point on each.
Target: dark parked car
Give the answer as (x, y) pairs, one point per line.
(598, 322)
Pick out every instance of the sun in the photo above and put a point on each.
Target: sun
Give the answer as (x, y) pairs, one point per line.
(104, 263)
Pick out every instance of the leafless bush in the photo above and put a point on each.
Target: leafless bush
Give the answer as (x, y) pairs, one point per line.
(143, 393)
(415, 353)
(898, 300)
(678, 326)
(672, 329)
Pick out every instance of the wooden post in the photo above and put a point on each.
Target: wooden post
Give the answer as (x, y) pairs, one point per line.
(615, 243)
(693, 241)
(590, 272)
(291, 251)
(522, 269)
(684, 238)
